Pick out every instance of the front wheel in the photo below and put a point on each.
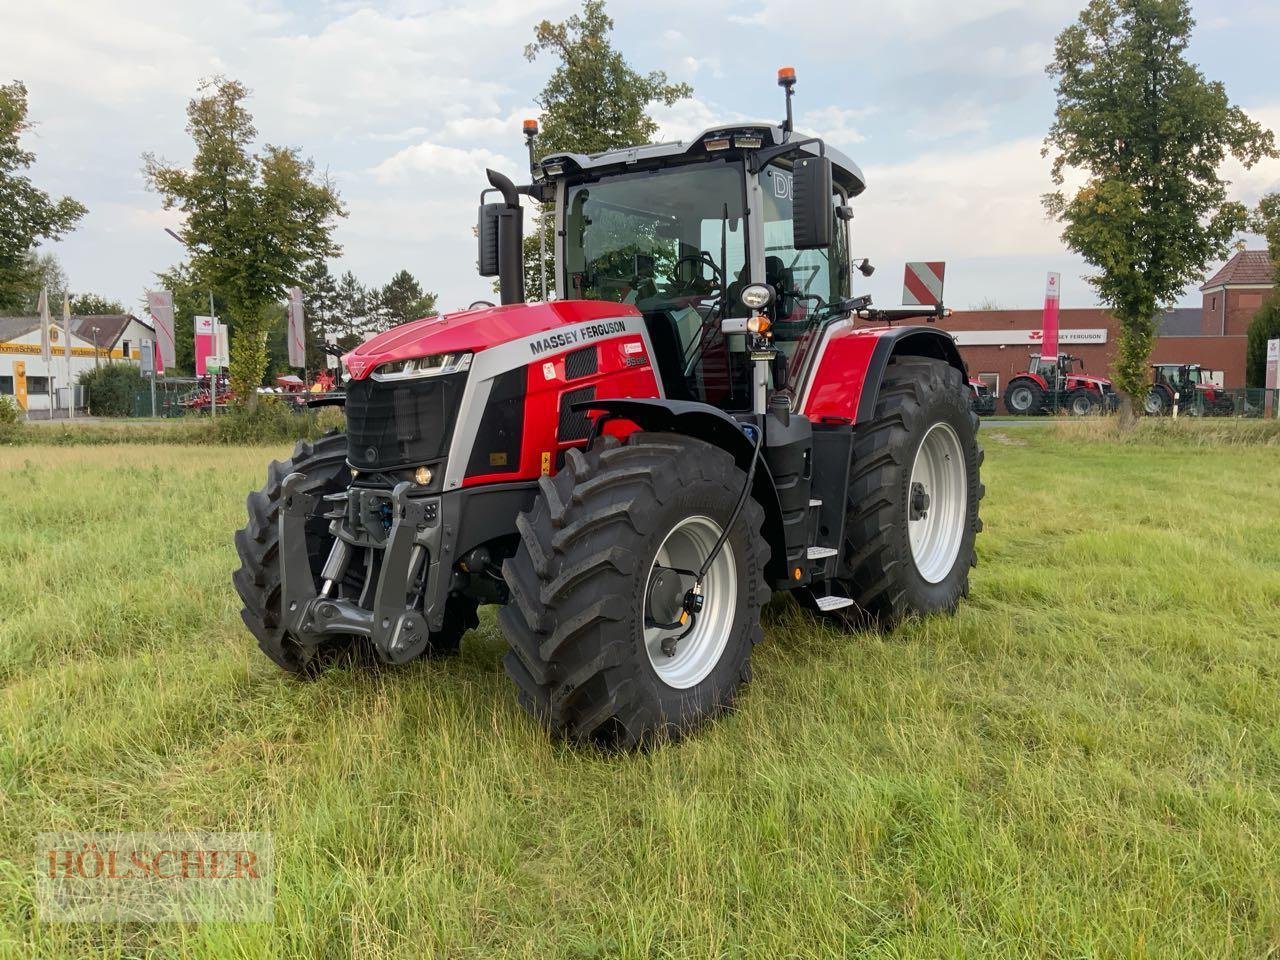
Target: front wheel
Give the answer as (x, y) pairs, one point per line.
(603, 647)
(912, 506)
(1082, 403)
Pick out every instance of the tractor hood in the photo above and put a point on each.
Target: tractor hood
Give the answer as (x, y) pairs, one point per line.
(475, 330)
(1099, 382)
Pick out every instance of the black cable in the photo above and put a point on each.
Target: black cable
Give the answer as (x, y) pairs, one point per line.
(737, 508)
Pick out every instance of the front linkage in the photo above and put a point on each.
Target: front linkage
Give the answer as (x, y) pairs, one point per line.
(395, 623)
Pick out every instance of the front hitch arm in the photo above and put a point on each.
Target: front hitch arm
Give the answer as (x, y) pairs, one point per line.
(398, 632)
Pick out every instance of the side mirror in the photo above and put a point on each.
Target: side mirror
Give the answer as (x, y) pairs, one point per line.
(811, 203)
(487, 231)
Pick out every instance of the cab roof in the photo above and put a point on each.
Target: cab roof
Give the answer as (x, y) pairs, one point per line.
(845, 172)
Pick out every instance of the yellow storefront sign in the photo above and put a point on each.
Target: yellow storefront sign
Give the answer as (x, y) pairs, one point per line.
(20, 383)
(33, 349)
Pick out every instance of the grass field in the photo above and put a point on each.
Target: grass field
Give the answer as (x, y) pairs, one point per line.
(1085, 762)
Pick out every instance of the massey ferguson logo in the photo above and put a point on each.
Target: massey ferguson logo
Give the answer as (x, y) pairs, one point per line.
(567, 338)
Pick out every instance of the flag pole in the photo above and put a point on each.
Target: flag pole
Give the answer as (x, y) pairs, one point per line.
(66, 354)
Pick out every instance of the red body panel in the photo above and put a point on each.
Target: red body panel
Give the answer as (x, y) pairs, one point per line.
(620, 374)
(841, 373)
(475, 330)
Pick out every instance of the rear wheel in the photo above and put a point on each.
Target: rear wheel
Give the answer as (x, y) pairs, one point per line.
(597, 585)
(1156, 403)
(257, 581)
(1024, 397)
(914, 490)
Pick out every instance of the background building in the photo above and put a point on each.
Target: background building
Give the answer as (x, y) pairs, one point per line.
(997, 343)
(94, 340)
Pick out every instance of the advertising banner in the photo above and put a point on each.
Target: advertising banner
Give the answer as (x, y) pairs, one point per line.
(297, 330)
(1049, 341)
(160, 304)
(204, 343)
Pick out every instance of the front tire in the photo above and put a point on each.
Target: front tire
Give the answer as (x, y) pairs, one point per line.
(257, 581)
(912, 503)
(586, 656)
(1082, 403)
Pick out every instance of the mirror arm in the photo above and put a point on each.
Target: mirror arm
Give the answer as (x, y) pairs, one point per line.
(761, 158)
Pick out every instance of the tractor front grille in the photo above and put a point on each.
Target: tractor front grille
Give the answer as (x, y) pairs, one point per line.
(394, 423)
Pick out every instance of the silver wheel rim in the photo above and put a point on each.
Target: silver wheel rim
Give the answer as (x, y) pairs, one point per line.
(939, 474)
(686, 547)
(1020, 399)
(1081, 406)
(1153, 404)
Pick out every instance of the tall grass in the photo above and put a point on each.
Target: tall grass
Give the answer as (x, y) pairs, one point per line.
(1084, 762)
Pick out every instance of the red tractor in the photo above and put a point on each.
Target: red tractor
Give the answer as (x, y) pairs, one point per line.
(983, 400)
(709, 416)
(1053, 384)
(1189, 387)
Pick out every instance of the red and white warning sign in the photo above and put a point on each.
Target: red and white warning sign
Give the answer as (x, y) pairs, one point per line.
(922, 284)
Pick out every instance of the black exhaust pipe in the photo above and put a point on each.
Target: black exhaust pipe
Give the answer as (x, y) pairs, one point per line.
(510, 240)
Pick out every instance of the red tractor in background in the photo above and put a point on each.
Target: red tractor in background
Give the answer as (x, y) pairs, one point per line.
(708, 416)
(1050, 385)
(1190, 388)
(984, 399)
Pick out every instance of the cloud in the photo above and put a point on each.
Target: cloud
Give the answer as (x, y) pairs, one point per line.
(434, 163)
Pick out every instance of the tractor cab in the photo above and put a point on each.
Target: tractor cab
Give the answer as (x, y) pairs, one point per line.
(679, 230)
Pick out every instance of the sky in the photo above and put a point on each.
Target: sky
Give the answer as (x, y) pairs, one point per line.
(944, 105)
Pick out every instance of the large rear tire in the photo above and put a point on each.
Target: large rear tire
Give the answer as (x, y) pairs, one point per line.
(1082, 403)
(912, 502)
(595, 566)
(257, 581)
(1024, 398)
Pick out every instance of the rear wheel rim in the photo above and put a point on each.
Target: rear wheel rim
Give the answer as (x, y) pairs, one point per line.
(1081, 406)
(939, 474)
(696, 655)
(1020, 399)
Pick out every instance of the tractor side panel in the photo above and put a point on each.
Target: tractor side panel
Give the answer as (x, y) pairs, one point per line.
(839, 377)
(534, 401)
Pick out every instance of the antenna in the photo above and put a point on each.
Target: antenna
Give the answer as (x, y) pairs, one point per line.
(787, 80)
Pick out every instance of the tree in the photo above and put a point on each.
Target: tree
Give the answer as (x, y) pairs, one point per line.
(1150, 133)
(27, 214)
(90, 304)
(254, 220)
(319, 311)
(41, 271)
(594, 100)
(403, 299)
(1264, 326)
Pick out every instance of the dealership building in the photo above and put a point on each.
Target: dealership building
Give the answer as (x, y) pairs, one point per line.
(94, 340)
(997, 343)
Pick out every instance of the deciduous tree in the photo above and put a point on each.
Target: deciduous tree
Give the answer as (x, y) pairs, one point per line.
(594, 100)
(255, 219)
(1149, 133)
(28, 215)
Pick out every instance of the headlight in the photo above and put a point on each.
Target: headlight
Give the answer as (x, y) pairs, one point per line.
(757, 296)
(436, 365)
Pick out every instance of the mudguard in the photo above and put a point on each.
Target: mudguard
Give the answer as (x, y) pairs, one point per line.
(716, 427)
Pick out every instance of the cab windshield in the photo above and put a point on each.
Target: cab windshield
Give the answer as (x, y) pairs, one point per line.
(672, 243)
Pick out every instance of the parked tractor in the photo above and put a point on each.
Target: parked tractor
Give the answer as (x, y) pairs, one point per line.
(707, 416)
(1187, 387)
(983, 400)
(1051, 384)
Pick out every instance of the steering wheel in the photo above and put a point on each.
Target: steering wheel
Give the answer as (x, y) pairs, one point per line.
(699, 284)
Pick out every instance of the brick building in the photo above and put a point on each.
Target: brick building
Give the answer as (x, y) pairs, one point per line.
(996, 343)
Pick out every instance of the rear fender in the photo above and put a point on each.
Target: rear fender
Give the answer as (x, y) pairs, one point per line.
(715, 427)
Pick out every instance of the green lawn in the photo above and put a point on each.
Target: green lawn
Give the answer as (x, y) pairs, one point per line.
(1085, 762)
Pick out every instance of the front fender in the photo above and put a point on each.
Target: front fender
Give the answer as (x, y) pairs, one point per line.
(714, 426)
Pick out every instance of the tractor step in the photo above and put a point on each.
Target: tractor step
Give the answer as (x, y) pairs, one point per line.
(820, 553)
(827, 604)
(814, 503)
